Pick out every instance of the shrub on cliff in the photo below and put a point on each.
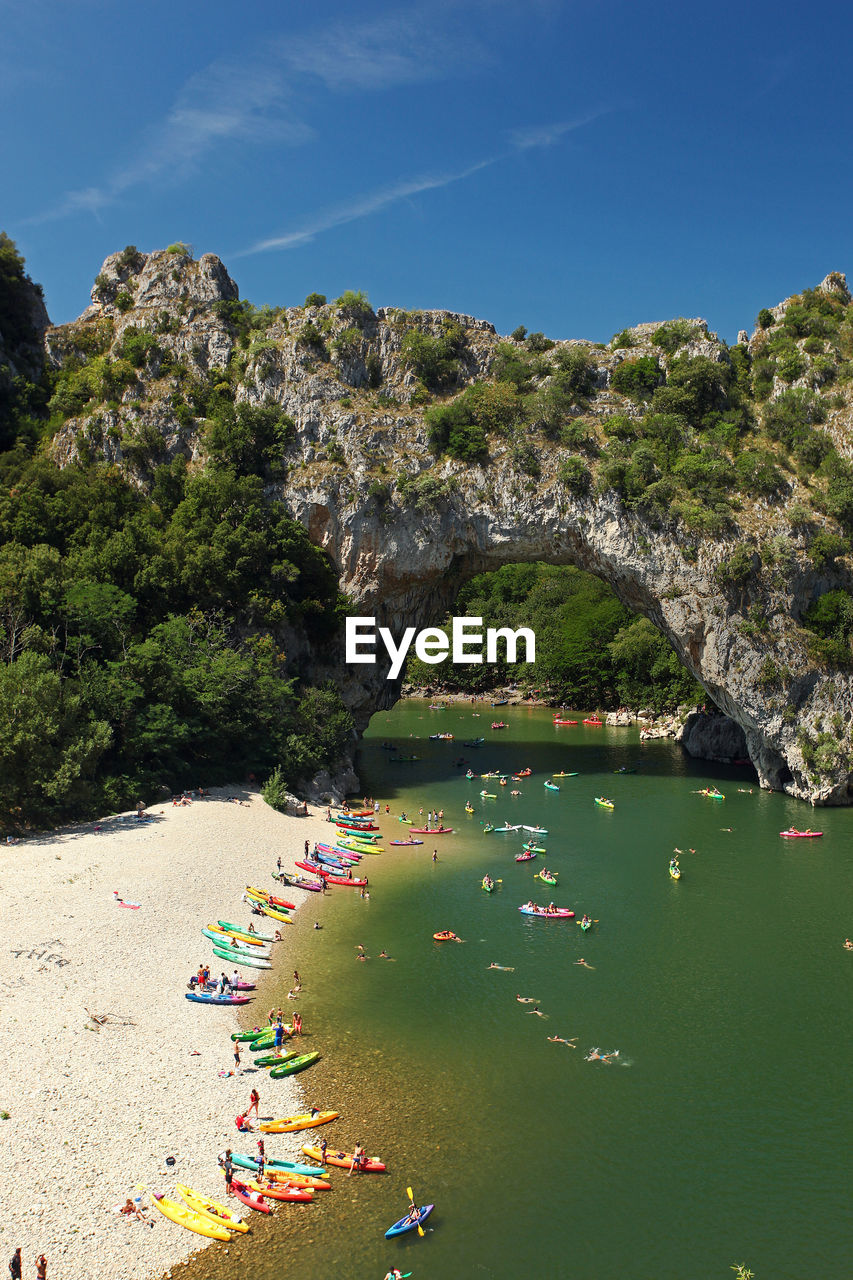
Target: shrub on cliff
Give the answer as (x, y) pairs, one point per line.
(637, 378)
(435, 358)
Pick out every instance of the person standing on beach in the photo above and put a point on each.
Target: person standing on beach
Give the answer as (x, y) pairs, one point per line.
(278, 864)
(254, 1099)
(225, 1161)
(323, 1146)
(41, 1267)
(236, 1055)
(15, 1264)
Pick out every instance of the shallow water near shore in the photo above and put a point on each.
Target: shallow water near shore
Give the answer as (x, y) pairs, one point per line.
(717, 1136)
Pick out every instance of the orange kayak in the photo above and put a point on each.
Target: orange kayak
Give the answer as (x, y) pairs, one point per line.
(344, 1160)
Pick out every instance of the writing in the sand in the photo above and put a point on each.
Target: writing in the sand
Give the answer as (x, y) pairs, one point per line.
(432, 644)
(34, 954)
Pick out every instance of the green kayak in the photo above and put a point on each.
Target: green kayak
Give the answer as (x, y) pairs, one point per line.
(229, 943)
(249, 1035)
(296, 1064)
(262, 937)
(276, 1059)
(240, 958)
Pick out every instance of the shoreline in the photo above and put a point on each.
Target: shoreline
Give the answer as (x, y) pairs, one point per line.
(94, 1111)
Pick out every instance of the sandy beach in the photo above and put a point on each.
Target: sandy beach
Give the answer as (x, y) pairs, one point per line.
(95, 1110)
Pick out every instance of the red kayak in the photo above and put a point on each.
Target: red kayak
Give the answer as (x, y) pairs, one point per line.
(426, 831)
(595, 722)
(250, 1198)
(565, 722)
(793, 834)
(278, 903)
(330, 877)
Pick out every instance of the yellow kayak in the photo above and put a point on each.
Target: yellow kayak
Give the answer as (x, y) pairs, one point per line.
(187, 1217)
(275, 915)
(236, 933)
(291, 1123)
(217, 1213)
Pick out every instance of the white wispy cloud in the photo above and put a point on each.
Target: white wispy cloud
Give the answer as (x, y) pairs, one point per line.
(259, 98)
(361, 206)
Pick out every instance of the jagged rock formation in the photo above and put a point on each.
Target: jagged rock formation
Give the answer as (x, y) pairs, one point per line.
(406, 530)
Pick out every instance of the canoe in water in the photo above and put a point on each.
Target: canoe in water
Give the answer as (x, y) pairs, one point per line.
(409, 1224)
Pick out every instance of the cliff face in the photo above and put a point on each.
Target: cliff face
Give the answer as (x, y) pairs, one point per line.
(406, 531)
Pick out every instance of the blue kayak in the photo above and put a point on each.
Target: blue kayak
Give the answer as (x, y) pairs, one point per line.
(212, 998)
(408, 1224)
(289, 1166)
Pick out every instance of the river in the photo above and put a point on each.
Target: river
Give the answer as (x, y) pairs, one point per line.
(716, 1136)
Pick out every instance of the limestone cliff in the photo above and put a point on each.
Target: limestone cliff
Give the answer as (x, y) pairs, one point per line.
(406, 528)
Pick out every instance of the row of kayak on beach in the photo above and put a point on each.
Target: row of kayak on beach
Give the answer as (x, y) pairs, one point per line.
(266, 1181)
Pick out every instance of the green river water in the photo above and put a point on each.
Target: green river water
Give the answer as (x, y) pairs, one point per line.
(721, 1133)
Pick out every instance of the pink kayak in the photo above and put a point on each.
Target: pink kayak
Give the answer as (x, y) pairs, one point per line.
(427, 831)
(525, 857)
(405, 842)
(793, 834)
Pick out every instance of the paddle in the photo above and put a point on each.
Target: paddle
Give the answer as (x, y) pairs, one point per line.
(411, 1196)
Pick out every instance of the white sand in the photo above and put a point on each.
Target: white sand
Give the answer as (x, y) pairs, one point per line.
(94, 1112)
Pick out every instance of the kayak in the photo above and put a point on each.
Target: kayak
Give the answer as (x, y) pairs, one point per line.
(225, 939)
(407, 843)
(344, 1160)
(525, 857)
(552, 786)
(565, 722)
(530, 847)
(564, 775)
(712, 795)
(793, 834)
(605, 804)
(187, 1217)
(559, 913)
(299, 882)
(282, 1166)
(547, 877)
(273, 913)
(509, 828)
(675, 873)
(320, 870)
(237, 932)
(595, 722)
(212, 998)
(488, 886)
(217, 1213)
(585, 924)
(250, 1198)
(298, 1179)
(278, 903)
(290, 1124)
(446, 935)
(433, 831)
(276, 1059)
(406, 1223)
(624, 770)
(524, 773)
(250, 1035)
(295, 1064)
(489, 795)
(271, 1191)
(241, 959)
(487, 828)
(227, 943)
(537, 831)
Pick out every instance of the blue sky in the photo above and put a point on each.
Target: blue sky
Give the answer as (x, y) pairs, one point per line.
(571, 167)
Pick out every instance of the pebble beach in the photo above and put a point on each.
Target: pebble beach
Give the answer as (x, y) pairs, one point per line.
(95, 1107)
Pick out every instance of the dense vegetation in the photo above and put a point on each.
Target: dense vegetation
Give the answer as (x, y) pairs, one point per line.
(590, 650)
(143, 635)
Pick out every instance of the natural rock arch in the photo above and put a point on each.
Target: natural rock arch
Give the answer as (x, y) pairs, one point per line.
(406, 569)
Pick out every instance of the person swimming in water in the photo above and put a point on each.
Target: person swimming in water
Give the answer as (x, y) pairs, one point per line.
(562, 1040)
(584, 963)
(527, 999)
(595, 1055)
(508, 968)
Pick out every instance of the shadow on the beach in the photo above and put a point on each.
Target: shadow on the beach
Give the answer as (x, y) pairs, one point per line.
(104, 826)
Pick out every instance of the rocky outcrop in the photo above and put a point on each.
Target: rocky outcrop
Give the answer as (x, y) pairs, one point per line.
(712, 737)
(405, 531)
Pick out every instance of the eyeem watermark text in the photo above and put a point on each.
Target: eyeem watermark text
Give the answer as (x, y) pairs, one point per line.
(465, 644)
